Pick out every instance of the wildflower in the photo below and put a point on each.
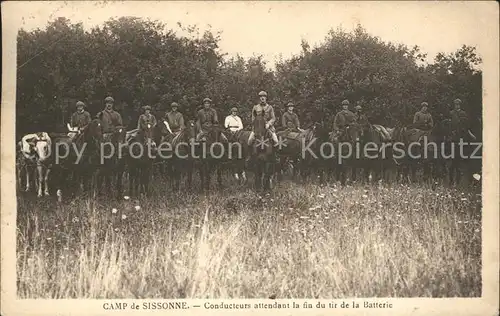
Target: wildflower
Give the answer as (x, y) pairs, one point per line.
(75, 220)
(116, 229)
(48, 238)
(304, 217)
(114, 211)
(175, 252)
(365, 196)
(321, 196)
(126, 197)
(137, 207)
(477, 230)
(463, 199)
(124, 216)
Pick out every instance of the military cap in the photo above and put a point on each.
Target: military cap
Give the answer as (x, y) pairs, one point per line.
(345, 102)
(457, 101)
(80, 103)
(263, 94)
(358, 107)
(290, 104)
(424, 104)
(174, 104)
(207, 100)
(147, 107)
(109, 99)
(234, 109)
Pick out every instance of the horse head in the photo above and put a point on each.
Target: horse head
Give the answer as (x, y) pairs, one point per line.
(353, 132)
(190, 130)
(146, 135)
(215, 134)
(42, 146)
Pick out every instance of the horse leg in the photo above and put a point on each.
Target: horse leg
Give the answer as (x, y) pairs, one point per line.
(46, 182)
(27, 179)
(39, 180)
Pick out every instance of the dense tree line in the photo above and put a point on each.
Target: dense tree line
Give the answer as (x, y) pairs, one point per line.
(142, 62)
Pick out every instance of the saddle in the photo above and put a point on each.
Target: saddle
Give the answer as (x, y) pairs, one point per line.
(131, 134)
(416, 135)
(386, 135)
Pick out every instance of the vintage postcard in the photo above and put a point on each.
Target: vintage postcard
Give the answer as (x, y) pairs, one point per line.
(281, 157)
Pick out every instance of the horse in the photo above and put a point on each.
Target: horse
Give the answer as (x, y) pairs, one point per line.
(302, 150)
(181, 161)
(142, 151)
(238, 159)
(455, 162)
(77, 159)
(36, 152)
(429, 144)
(211, 153)
(262, 156)
(377, 161)
(113, 160)
(344, 146)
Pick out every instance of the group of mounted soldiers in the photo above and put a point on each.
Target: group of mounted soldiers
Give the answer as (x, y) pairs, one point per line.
(207, 116)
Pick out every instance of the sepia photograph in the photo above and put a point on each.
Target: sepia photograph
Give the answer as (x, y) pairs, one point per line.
(249, 150)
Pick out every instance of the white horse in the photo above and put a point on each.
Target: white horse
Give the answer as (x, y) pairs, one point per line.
(36, 151)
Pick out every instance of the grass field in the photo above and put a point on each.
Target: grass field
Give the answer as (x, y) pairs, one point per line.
(303, 241)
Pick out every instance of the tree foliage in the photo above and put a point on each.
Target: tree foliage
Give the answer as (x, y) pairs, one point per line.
(141, 62)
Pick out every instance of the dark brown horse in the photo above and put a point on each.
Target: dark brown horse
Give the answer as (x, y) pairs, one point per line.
(211, 153)
(142, 153)
(302, 151)
(179, 160)
(345, 150)
(238, 152)
(113, 161)
(263, 156)
(78, 159)
(415, 149)
(376, 154)
(459, 162)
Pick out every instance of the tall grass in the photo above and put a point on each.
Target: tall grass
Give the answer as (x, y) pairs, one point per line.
(303, 241)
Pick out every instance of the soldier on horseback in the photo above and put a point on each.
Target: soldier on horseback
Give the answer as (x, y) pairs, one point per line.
(423, 119)
(110, 119)
(207, 117)
(146, 119)
(343, 119)
(174, 120)
(79, 120)
(233, 122)
(459, 119)
(361, 117)
(265, 109)
(290, 119)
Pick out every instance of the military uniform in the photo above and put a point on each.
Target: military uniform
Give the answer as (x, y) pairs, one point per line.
(206, 118)
(175, 121)
(361, 118)
(423, 121)
(110, 119)
(343, 119)
(80, 119)
(290, 121)
(459, 120)
(146, 119)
